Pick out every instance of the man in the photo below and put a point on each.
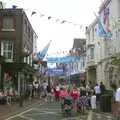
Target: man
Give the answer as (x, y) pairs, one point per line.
(102, 88)
(97, 92)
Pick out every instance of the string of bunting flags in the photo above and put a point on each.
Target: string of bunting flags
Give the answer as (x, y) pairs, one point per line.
(49, 17)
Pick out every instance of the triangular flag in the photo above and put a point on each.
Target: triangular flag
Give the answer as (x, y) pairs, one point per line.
(41, 15)
(57, 20)
(33, 13)
(63, 21)
(49, 17)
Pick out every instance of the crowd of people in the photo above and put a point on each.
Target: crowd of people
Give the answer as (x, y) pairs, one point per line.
(83, 97)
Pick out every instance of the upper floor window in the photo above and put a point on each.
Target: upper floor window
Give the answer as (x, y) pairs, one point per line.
(7, 50)
(8, 24)
(92, 34)
(25, 27)
(29, 32)
(92, 53)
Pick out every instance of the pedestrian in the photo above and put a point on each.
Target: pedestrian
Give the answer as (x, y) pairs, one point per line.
(75, 94)
(45, 84)
(82, 101)
(49, 95)
(57, 93)
(102, 88)
(63, 93)
(93, 101)
(97, 93)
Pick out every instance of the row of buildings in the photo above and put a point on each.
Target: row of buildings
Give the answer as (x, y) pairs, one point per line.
(98, 56)
(103, 53)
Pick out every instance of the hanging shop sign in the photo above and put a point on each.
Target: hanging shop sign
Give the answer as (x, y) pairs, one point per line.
(55, 71)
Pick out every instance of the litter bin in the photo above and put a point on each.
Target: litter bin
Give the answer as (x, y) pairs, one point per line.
(105, 103)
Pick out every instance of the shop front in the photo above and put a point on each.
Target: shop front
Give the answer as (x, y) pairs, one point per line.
(16, 76)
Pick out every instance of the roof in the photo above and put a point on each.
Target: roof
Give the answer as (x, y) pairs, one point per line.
(79, 42)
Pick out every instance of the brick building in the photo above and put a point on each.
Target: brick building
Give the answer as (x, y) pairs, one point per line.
(16, 48)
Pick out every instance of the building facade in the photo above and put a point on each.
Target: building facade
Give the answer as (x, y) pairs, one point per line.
(77, 68)
(107, 50)
(92, 52)
(16, 47)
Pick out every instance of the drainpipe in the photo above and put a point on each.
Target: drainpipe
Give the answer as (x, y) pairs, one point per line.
(19, 83)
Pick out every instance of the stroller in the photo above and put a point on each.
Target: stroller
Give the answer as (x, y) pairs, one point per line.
(66, 106)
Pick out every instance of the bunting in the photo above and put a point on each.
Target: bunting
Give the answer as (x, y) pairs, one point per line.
(101, 30)
(42, 54)
(57, 19)
(33, 13)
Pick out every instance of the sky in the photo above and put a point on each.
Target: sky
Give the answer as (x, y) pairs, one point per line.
(77, 13)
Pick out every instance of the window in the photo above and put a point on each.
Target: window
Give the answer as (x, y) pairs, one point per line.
(25, 27)
(8, 24)
(92, 53)
(7, 50)
(29, 32)
(92, 34)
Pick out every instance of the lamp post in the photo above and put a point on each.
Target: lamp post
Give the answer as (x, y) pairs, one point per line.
(21, 78)
(21, 90)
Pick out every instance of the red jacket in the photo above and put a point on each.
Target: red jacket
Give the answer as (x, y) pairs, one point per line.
(75, 94)
(63, 94)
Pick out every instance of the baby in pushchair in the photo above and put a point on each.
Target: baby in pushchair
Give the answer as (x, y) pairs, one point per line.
(67, 106)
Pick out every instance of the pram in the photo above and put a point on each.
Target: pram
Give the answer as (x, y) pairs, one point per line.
(66, 106)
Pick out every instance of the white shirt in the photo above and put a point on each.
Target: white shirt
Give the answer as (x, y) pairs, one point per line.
(57, 88)
(117, 95)
(36, 85)
(97, 89)
(45, 85)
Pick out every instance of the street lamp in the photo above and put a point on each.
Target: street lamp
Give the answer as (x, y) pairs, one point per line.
(26, 53)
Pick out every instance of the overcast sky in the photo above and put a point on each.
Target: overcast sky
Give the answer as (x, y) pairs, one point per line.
(80, 12)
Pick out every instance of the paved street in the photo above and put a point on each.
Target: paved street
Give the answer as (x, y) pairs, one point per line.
(47, 111)
(52, 111)
(102, 117)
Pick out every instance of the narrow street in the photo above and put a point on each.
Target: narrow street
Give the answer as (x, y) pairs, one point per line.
(47, 111)
(52, 111)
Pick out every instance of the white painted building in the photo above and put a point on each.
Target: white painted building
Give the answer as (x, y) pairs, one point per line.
(79, 51)
(102, 52)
